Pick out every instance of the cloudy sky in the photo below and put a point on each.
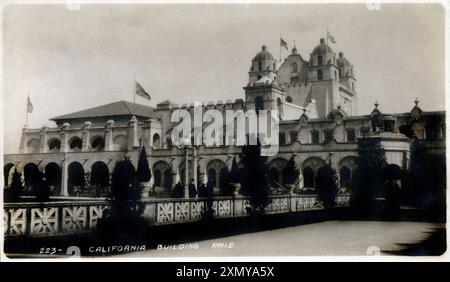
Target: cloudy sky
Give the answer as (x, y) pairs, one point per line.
(69, 60)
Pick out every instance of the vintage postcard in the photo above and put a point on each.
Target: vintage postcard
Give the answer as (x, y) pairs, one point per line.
(195, 131)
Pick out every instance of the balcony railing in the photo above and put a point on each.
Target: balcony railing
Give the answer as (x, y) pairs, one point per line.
(70, 217)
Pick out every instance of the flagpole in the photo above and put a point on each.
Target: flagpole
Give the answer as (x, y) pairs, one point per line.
(280, 48)
(134, 92)
(26, 116)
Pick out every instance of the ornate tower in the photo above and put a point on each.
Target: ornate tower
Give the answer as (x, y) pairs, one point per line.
(263, 64)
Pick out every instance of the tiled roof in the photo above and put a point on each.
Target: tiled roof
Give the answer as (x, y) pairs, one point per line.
(120, 108)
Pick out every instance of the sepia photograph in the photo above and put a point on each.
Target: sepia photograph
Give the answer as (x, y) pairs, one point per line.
(205, 131)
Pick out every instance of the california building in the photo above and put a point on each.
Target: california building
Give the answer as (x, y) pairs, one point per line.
(316, 98)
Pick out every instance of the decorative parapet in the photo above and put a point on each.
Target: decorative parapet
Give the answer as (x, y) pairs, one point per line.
(59, 218)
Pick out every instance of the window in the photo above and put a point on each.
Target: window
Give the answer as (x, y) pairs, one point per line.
(98, 144)
(319, 75)
(260, 66)
(319, 60)
(335, 75)
(294, 67)
(259, 104)
(328, 135)
(315, 137)
(353, 86)
(294, 80)
(351, 137)
(75, 144)
(293, 135)
(54, 145)
(274, 66)
(282, 138)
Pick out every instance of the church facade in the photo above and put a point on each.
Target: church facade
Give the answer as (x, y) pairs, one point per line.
(316, 99)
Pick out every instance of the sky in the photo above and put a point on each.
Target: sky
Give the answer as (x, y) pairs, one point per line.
(69, 60)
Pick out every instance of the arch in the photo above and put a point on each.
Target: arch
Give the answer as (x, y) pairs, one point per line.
(98, 143)
(120, 143)
(315, 164)
(33, 146)
(54, 145)
(6, 173)
(308, 177)
(157, 178)
(319, 75)
(52, 174)
(217, 171)
(75, 144)
(294, 67)
(31, 175)
(99, 177)
(75, 178)
(276, 169)
(162, 175)
(345, 175)
(259, 104)
(156, 141)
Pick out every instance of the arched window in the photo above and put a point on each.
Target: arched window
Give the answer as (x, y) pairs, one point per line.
(52, 174)
(351, 136)
(120, 143)
(76, 178)
(212, 176)
(294, 67)
(98, 143)
(99, 177)
(319, 60)
(259, 104)
(169, 143)
(335, 75)
(345, 175)
(308, 177)
(157, 178)
(33, 146)
(167, 179)
(75, 144)
(319, 75)
(431, 132)
(260, 68)
(54, 145)
(274, 66)
(156, 141)
(6, 172)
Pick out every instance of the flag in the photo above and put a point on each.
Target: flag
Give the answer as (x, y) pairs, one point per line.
(283, 43)
(141, 92)
(29, 106)
(331, 37)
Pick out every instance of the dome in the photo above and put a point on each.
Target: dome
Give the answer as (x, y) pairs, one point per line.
(322, 48)
(263, 55)
(342, 61)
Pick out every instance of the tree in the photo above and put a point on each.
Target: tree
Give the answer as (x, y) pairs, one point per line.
(13, 192)
(369, 176)
(327, 185)
(122, 181)
(143, 173)
(291, 172)
(123, 218)
(255, 178)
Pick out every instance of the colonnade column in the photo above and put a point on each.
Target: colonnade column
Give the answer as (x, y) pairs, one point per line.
(64, 178)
